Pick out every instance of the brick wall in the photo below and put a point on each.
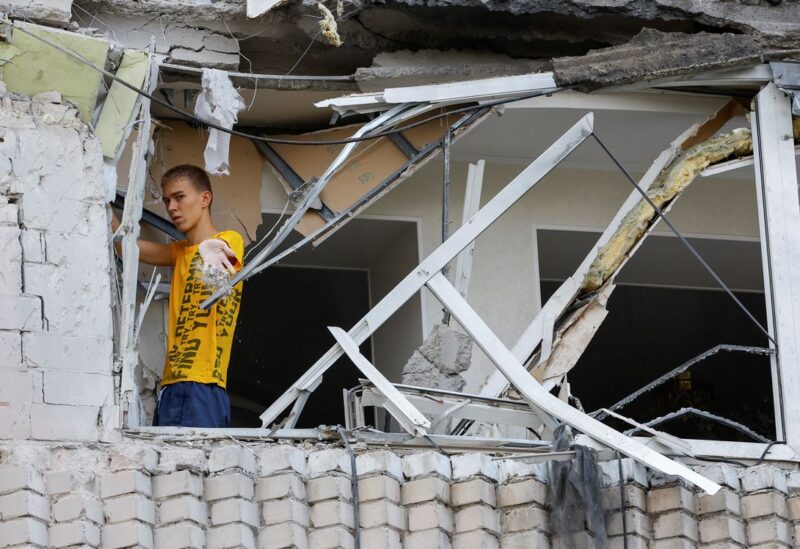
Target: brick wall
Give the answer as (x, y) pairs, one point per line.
(56, 350)
(203, 494)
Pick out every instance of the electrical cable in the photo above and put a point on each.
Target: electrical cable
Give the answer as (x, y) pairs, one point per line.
(683, 239)
(188, 116)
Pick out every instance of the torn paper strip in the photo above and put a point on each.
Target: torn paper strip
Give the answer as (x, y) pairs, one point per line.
(220, 103)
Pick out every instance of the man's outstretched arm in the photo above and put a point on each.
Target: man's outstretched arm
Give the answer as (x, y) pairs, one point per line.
(153, 253)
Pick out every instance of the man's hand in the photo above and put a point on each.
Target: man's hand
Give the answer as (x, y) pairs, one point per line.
(217, 252)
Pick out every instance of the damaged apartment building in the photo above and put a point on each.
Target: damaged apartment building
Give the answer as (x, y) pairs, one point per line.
(518, 274)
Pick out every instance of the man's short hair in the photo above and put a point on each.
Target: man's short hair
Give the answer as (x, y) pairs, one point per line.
(195, 174)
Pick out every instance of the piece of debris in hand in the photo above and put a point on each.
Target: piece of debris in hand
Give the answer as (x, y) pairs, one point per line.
(328, 26)
(216, 278)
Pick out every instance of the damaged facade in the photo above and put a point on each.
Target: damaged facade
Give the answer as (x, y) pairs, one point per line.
(519, 274)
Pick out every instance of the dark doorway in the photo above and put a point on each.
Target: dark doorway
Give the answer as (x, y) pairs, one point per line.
(652, 328)
(282, 331)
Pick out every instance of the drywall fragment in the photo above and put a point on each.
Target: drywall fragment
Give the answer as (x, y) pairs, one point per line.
(260, 7)
(219, 103)
(115, 116)
(327, 26)
(30, 66)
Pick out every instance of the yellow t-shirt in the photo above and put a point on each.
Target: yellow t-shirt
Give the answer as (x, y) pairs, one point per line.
(199, 342)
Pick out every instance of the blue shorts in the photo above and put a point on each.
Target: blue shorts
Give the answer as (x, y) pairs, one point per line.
(192, 404)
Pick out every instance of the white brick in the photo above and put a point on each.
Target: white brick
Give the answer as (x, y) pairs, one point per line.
(234, 510)
(525, 540)
(125, 482)
(475, 539)
(287, 535)
(77, 388)
(282, 457)
(177, 483)
(616, 542)
(57, 422)
(24, 503)
(230, 535)
(179, 536)
(428, 539)
(675, 524)
(770, 530)
(793, 508)
(20, 478)
(330, 513)
(20, 312)
(381, 538)
(331, 460)
(425, 489)
(23, 530)
(511, 470)
(525, 491)
(33, 245)
(472, 464)
(721, 473)
(527, 517)
(430, 515)
(183, 508)
(764, 477)
(636, 522)
(670, 498)
(426, 463)
(764, 504)
(17, 387)
(632, 471)
(335, 537)
(53, 351)
(75, 251)
(285, 510)
(329, 487)
(132, 456)
(381, 462)
(379, 487)
(81, 532)
(74, 506)
(232, 457)
(677, 543)
(382, 513)
(473, 491)
(15, 421)
(721, 528)
(9, 214)
(59, 482)
(179, 459)
(73, 305)
(234, 485)
(130, 507)
(477, 516)
(287, 485)
(10, 348)
(11, 266)
(725, 500)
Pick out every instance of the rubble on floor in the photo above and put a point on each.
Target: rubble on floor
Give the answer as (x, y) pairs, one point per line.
(440, 360)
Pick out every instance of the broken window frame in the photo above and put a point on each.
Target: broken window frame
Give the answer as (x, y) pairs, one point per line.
(775, 176)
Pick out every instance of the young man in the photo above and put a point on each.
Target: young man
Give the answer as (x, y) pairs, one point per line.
(198, 342)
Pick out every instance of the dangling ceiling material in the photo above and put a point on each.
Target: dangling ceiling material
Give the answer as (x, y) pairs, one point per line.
(373, 169)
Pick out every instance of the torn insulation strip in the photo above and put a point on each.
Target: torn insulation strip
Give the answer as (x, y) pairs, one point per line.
(219, 102)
